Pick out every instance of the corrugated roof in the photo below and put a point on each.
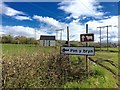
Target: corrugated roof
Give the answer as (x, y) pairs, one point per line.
(44, 37)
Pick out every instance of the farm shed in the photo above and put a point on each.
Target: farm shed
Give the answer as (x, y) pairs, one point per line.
(47, 40)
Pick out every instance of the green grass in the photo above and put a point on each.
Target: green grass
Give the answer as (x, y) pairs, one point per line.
(102, 77)
(92, 82)
(109, 49)
(104, 55)
(9, 49)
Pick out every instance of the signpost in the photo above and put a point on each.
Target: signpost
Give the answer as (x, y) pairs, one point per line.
(81, 50)
(87, 37)
(78, 50)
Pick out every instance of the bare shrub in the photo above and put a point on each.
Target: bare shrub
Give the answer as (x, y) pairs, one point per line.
(19, 70)
(61, 71)
(39, 70)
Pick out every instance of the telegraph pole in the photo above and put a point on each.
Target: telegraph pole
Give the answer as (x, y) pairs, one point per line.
(107, 37)
(35, 33)
(56, 35)
(100, 37)
(107, 34)
(68, 36)
(87, 55)
(68, 42)
(60, 34)
(61, 37)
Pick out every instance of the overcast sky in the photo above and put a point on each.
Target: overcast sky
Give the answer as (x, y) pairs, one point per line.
(23, 18)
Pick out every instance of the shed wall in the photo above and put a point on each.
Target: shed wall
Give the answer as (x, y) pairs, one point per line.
(47, 42)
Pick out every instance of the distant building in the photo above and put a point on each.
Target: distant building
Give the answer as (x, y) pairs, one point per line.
(47, 40)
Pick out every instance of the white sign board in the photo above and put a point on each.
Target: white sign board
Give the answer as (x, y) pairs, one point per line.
(78, 50)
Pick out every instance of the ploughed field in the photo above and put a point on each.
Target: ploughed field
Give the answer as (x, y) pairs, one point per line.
(30, 66)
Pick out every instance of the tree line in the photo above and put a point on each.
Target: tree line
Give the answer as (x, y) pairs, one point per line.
(17, 40)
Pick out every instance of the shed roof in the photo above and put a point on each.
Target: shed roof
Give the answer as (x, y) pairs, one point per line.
(45, 37)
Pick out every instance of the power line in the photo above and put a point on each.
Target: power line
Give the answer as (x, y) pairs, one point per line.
(48, 11)
(87, 8)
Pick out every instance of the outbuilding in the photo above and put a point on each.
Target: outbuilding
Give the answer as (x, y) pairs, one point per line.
(47, 40)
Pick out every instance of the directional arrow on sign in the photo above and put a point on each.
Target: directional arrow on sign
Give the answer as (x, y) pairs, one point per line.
(83, 37)
(65, 49)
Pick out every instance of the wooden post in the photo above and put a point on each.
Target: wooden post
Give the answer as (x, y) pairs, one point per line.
(86, 57)
(68, 42)
(68, 36)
